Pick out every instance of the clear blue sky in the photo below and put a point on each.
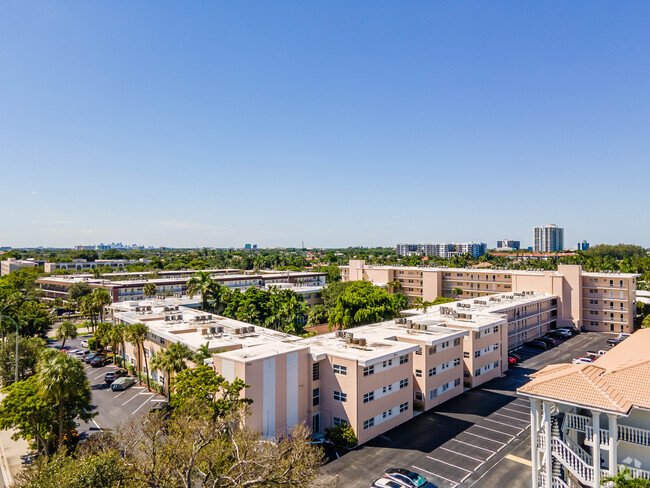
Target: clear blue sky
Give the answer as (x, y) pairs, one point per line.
(337, 123)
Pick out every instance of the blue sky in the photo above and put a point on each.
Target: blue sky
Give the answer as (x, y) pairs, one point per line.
(337, 123)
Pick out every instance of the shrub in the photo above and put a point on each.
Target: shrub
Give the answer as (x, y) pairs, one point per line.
(92, 343)
(418, 406)
(343, 436)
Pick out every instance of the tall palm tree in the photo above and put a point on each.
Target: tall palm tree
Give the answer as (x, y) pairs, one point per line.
(116, 338)
(201, 283)
(100, 298)
(457, 291)
(202, 354)
(137, 334)
(67, 330)
(63, 381)
(150, 289)
(171, 360)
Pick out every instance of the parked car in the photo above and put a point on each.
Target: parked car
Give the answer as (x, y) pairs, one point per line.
(98, 361)
(549, 341)
(560, 334)
(571, 330)
(622, 336)
(122, 383)
(405, 476)
(536, 344)
(613, 342)
(79, 355)
(89, 356)
(84, 343)
(115, 374)
(512, 361)
(516, 356)
(164, 408)
(582, 361)
(385, 483)
(72, 352)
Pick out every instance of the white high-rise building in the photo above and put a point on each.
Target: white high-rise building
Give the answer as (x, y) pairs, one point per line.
(549, 238)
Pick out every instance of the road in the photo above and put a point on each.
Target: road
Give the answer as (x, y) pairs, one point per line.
(479, 439)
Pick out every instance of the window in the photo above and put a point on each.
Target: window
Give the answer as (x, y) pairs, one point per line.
(456, 361)
(340, 397)
(368, 397)
(339, 422)
(495, 329)
(404, 359)
(368, 423)
(432, 350)
(403, 383)
(368, 370)
(315, 371)
(457, 382)
(495, 364)
(418, 395)
(404, 407)
(387, 388)
(477, 354)
(445, 387)
(433, 393)
(419, 351)
(342, 370)
(477, 372)
(432, 371)
(457, 342)
(466, 355)
(388, 413)
(315, 397)
(388, 363)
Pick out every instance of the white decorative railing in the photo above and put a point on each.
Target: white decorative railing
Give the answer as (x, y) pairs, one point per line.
(636, 472)
(604, 436)
(541, 439)
(576, 422)
(571, 461)
(634, 435)
(557, 482)
(575, 447)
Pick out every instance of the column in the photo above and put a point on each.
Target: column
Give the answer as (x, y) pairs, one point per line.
(613, 437)
(596, 451)
(547, 450)
(534, 452)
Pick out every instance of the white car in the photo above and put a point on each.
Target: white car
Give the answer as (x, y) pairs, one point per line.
(386, 483)
(623, 335)
(79, 355)
(72, 352)
(84, 344)
(583, 361)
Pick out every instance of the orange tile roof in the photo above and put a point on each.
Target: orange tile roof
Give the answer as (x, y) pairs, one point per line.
(617, 381)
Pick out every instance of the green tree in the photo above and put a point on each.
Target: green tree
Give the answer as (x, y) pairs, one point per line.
(29, 350)
(66, 330)
(202, 354)
(363, 303)
(318, 314)
(150, 289)
(625, 479)
(137, 334)
(457, 291)
(333, 274)
(202, 283)
(33, 319)
(101, 298)
(63, 382)
(79, 290)
(171, 360)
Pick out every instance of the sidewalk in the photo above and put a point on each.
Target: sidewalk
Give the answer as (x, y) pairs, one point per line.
(12, 454)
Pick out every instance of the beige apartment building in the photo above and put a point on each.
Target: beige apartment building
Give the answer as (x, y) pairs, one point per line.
(597, 301)
(590, 420)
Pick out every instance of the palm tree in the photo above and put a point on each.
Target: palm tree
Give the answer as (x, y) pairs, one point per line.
(202, 354)
(100, 298)
(201, 283)
(625, 479)
(137, 334)
(457, 291)
(67, 330)
(116, 338)
(150, 289)
(394, 285)
(63, 381)
(421, 304)
(87, 308)
(171, 360)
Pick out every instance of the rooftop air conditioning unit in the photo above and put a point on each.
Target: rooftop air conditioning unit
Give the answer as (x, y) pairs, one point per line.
(340, 334)
(213, 330)
(362, 342)
(238, 330)
(219, 330)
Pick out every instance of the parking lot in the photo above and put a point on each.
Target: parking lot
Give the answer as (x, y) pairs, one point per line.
(113, 407)
(479, 439)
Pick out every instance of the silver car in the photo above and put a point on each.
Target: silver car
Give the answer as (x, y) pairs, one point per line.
(122, 383)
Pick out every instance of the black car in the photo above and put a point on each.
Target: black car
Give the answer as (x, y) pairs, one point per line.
(89, 356)
(98, 361)
(549, 342)
(536, 345)
(162, 408)
(559, 334)
(113, 375)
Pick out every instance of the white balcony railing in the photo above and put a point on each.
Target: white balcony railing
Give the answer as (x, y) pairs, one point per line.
(604, 437)
(570, 460)
(634, 435)
(576, 422)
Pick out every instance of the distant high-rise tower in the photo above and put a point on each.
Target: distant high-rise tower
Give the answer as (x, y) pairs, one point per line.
(582, 246)
(549, 238)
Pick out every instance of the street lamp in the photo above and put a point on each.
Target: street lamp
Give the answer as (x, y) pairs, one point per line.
(16, 324)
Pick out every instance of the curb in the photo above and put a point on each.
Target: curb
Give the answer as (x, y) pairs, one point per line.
(4, 466)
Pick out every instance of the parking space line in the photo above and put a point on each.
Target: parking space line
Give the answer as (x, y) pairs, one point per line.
(454, 483)
(526, 421)
(507, 425)
(516, 411)
(472, 445)
(487, 439)
(461, 454)
(134, 388)
(99, 375)
(143, 403)
(130, 399)
(452, 465)
(493, 430)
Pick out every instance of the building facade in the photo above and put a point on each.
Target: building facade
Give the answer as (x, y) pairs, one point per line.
(508, 245)
(590, 420)
(442, 250)
(598, 301)
(549, 238)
